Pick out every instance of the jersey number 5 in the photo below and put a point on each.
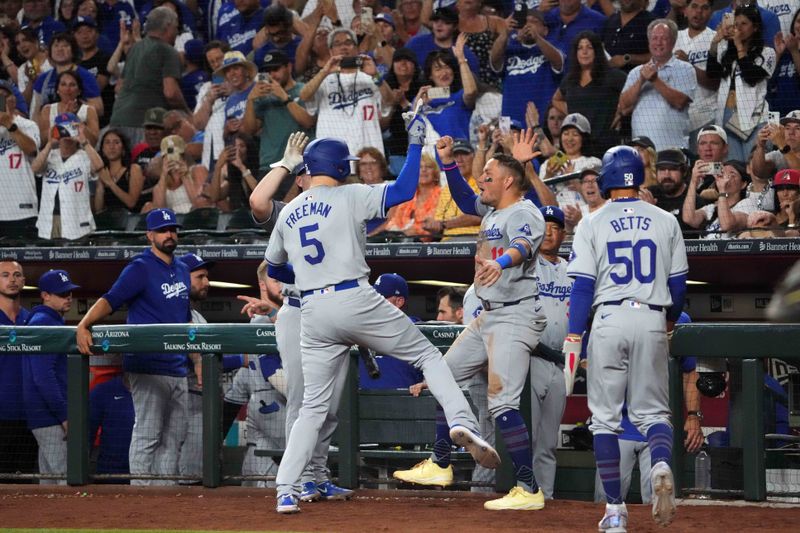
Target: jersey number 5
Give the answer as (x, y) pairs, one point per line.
(307, 240)
(618, 254)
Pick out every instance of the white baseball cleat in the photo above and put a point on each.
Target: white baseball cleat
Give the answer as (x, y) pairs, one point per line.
(615, 520)
(663, 493)
(483, 452)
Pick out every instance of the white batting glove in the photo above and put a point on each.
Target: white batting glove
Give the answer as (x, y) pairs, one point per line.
(293, 154)
(572, 359)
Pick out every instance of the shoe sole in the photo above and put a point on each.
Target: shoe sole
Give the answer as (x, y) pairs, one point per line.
(338, 497)
(664, 500)
(434, 482)
(531, 507)
(613, 530)
(310, 498)
(481, 451)
(285, 509)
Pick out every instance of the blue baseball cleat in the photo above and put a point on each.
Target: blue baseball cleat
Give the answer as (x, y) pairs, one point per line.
(309, 492)
(329, 491)
(287, 504)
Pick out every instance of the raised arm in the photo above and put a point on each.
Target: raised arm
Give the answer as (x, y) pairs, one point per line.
(460, 190)
(262, 196)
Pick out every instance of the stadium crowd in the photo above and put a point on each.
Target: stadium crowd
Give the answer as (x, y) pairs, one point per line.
(188, 104)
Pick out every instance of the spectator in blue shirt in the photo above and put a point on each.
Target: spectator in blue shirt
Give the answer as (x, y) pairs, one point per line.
(45, 379)
(531, 67)
(444, 27)
(155, 286)
(568, 20)
(194, 76)
(276, 34)
(242, 27)
(37, 14)
(239, 74)
(18, 447)
(109, 15)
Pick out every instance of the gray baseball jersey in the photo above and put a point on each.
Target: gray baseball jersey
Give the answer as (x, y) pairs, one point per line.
(500, 229)
(321, 233)
(630, 249)
(555, 286)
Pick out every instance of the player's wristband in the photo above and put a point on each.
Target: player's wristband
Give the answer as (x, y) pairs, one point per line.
(504, 261)
(451, 166)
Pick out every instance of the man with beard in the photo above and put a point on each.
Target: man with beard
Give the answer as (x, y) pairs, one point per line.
(670, 192)
(155, 287)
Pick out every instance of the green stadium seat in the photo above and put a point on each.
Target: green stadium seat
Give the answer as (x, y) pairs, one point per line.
(204, 218)
(241, 219)
(112, 220)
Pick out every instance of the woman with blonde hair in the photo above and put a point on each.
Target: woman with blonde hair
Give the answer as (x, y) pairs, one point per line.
(410, 216)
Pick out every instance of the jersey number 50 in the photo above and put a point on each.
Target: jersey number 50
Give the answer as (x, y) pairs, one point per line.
(618, 254)
(307, 240)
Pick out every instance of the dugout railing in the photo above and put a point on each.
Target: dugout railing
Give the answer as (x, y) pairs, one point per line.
(748, 343)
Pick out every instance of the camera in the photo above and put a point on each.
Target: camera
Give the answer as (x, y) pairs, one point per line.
(263, 77)
(521, 14)
(352, 62)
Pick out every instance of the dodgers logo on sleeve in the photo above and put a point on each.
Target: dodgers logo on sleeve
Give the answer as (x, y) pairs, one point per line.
(526, 229)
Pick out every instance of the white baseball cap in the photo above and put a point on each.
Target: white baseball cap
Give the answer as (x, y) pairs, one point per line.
(578, 121)
(713, 130)
(791, 116)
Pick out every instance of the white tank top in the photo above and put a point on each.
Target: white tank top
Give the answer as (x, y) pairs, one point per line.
(178, 200)
(82, 113)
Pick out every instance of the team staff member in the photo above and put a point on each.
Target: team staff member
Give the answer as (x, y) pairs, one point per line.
(45, 379)
(629, 264)
(156, 288)
(17, 444)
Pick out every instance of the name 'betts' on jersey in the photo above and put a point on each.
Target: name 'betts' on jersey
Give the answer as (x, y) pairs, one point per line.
(500, 228)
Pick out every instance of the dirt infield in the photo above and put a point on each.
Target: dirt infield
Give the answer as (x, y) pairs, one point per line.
(234, 508)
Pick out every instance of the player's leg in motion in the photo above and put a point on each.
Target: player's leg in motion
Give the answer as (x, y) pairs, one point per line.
(379, 325)
(648, 407)
(606, 384)
(510, 335)
(548, 399)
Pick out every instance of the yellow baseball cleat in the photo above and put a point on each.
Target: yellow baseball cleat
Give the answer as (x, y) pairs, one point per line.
(426, 473)
(518, 499)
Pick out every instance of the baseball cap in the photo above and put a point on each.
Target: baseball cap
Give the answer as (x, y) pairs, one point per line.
(404, 53)
(462, 146)
(161, 218)
(552, 213)
(788, 177)
(195, 262)
(577, 121)
(299, 169)
(517, 125)
(445, 14)
(391, 285)
(791, 116)
(84, 21)
(643, 142)
(154, 117)
(193, 51)
(274, 59)
(671, 157)
(67, 125)
(56, 282)
(591, 169)
(385, 17)
(716, 130)
(8, 86)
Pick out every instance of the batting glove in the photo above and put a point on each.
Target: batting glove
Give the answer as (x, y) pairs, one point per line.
(293, 154)
(415, 125)
(572, 358)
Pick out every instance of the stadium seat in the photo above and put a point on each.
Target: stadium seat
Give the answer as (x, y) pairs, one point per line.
(204, 218)
(19, 230)
(112, 220)
(241, 219)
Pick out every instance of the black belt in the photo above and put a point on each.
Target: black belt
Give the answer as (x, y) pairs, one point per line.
(633, 304)
(349, 284)
(294, 302)
(488, 306)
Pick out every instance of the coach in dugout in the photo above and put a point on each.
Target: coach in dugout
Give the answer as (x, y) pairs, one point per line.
(155, 286)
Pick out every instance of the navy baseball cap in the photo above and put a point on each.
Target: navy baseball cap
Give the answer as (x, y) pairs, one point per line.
(552, 213)
(195, 262)
(84, 21)
(162, 218)
(56, 282)
(462, 146)
(385, 17)
(391, 285)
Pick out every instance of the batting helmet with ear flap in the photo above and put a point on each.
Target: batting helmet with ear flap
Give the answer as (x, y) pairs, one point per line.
(623, 168)
(785, 303)
(328, 157)
(711, 384)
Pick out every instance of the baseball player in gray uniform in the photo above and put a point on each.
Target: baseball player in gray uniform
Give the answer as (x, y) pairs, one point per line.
(314, 483)
(319, 244)
(507, 331)
(629, 264)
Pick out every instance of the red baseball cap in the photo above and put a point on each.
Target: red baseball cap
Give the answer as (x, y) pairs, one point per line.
(788, 177)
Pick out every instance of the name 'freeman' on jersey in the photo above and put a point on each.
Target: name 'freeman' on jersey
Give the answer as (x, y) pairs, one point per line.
(311, 208)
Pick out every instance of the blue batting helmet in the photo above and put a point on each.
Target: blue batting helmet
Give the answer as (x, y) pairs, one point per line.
(623, 168)
(328, 157)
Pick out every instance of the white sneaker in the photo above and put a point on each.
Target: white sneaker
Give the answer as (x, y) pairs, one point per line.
(483, 452)
(663, 486)
(615, 519)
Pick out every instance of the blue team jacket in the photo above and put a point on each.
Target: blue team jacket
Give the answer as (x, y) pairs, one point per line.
(111, 409)
(11, 405)
(44, 377)
(156, 293)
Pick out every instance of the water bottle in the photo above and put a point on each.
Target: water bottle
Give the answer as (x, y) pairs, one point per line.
(702, 471)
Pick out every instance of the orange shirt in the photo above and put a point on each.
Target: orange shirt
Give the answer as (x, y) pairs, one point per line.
(410, 215)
